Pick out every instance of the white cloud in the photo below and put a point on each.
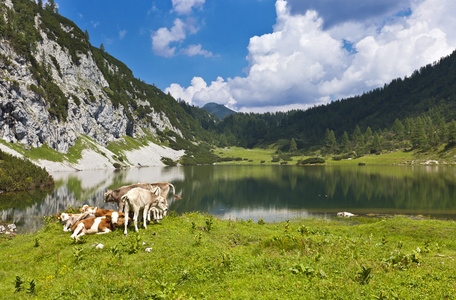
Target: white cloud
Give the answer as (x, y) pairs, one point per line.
(95, 23)
(184, 7)
(199, 93)
(122, 34)
(194, 50)
(301, 63)
(163, 37)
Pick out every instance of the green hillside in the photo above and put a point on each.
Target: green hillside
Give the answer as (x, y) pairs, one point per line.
(413, 112)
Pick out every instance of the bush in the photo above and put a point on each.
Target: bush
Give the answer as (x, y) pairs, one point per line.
(313, 160)
(340, 157)
(168, 161)
(19, 174)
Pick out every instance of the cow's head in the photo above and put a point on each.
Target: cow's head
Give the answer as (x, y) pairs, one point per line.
(64, 217)
(160, 202)
(108, 196)
(117, 219)
(155, 189)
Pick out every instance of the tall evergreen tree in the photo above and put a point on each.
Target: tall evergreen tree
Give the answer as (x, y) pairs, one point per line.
(344, 142)
(293, 146)
(452, 132)
(330, 140)
(418, 137)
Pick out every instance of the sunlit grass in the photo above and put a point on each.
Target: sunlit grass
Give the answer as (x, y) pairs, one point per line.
(197, 256)
(264, 156)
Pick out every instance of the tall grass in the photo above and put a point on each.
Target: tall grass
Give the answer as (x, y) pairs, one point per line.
(196, 256)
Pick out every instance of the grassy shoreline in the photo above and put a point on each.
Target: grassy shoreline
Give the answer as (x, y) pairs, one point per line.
(258, 156)
(196, 256)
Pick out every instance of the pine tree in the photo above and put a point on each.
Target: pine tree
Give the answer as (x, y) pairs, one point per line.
(330, 140)
(452, 132)
(418, 136)
(358, 138)
(376, 143)
(344, 142)
(293, 146)
(86, 33)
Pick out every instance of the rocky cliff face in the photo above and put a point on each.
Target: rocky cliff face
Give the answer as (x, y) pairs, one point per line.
(24, 112)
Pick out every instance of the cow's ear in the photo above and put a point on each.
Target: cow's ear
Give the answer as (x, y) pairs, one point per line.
(108, 217)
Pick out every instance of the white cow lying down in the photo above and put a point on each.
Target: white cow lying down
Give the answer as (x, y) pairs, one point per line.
(137, 199)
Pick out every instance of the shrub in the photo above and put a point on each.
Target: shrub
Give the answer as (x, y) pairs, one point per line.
(168, 161)
(313, 160)
(19, 174)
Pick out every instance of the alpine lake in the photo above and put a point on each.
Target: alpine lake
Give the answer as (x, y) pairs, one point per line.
(270, 192)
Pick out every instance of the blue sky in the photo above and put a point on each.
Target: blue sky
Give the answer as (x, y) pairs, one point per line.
(268, 55)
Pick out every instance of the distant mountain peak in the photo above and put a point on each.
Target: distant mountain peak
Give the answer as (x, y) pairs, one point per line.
(219, 110)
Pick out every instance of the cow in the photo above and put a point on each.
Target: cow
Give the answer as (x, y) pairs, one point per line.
(70, 219)
(116, 195)
(98, 225)
(99, 212)
(345, 214)
(139, 198)
(157, 214)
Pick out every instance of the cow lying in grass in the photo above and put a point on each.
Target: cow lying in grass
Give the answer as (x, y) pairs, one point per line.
(99, 225)
(70, 219)
(99, 212)
(139, 198)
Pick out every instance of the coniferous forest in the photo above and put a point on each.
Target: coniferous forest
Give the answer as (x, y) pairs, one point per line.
(415, 112)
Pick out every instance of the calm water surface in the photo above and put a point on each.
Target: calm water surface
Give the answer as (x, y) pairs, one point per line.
(274, 193)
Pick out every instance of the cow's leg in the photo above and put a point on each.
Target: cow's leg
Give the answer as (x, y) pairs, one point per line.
(145, 213)
(78, 229)
(106, 230)
(154, 211)
(135, 219)
(127, 208)
(121, 205)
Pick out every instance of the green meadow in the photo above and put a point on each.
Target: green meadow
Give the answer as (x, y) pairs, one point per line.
(265, 156)
(196, 256)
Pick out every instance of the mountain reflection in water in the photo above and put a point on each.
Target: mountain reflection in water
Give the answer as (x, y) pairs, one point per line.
(273, 193)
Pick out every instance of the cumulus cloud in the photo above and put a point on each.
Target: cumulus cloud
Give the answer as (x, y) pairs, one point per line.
(163, 37)
(337, 12)
(184, 7)
(303, 63)
(199, 93)
(169, 42)
(193, 50)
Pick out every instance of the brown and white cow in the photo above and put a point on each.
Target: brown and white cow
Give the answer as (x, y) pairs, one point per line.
(70, 219)
(98, 225)
(116, 195)
(139, 198)
(99, 212)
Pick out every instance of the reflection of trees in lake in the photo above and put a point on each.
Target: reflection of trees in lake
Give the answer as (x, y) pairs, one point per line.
(214, 189)
(319, 188)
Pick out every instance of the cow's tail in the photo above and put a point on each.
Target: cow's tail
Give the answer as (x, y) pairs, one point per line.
(174, 192)
(125, 199)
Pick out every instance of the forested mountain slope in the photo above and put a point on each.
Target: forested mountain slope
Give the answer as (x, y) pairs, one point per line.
(429, 91)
